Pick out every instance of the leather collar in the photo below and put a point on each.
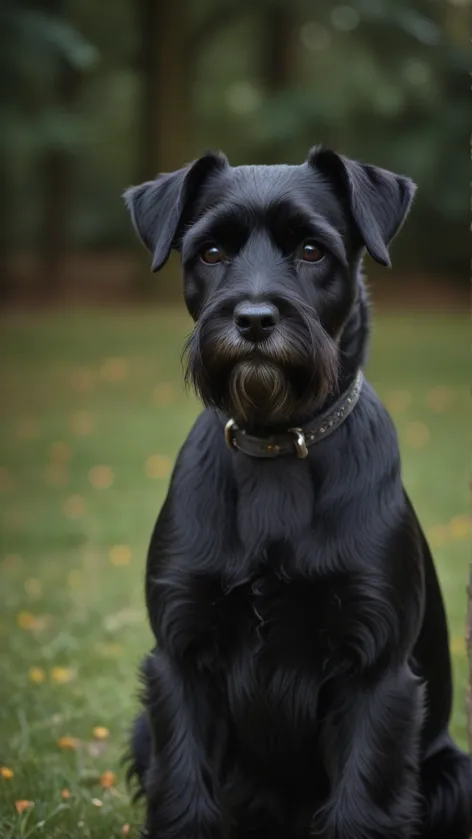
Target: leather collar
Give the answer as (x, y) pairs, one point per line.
(296, 440)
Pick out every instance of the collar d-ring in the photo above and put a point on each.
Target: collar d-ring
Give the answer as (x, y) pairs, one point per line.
(230, 428)
(299, 441)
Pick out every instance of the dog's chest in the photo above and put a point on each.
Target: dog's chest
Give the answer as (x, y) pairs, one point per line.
(275, 501)
(269, 605)
(274, 616)
(274, 650)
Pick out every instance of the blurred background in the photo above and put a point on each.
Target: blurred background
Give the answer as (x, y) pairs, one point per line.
(97, 96)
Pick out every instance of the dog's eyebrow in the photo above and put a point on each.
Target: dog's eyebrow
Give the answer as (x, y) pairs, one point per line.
(287, 214)
(329, 236)
(230, 225)
(226, 224)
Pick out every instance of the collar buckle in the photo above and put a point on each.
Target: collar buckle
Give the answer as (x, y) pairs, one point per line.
(230, 429)
(301, 448)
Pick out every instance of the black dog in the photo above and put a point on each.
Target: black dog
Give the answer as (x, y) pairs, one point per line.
(301, 679)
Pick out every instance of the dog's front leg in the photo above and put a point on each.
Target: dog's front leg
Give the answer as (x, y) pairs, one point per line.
(181, 784)
(371, 744)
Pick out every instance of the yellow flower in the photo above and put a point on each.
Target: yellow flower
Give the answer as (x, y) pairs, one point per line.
(100, 732)
(114, 369)
(12, 561)
(23, 805)
(398, 401)
(26, 620)
(457, 645)
(438, 535)
(6, 481)
(33, 587)
(62, 675)
(36, 675)
(82, 380)
(60, 452)
(439, 399)
(158, 466)
(81, 423)
(417, 434)
(107, 779)
(71, 743)
(460, 527)
(74, 506)
(65, 794)
(164, 394)
(6, 773)
(111, 650)
(75, 578)
(101, 477)
(120, 555)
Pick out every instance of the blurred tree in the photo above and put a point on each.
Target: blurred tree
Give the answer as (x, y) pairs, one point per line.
(57, 159)
(372, 77)
(166, 118)
(165, 63)
(279, 22)
(44, 59)
(6, 190)
(262, 79)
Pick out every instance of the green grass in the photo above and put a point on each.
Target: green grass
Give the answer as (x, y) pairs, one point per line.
(66, 604)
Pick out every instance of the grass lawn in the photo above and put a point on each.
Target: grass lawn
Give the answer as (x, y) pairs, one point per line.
(92, 416)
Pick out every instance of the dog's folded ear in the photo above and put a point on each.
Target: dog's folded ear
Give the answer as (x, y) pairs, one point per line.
(378, 200)
(160, 208)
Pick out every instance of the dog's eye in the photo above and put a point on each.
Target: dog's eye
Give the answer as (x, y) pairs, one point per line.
(311, 252)
(211, 255)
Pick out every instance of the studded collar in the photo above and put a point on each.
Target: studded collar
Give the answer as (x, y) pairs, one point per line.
(296, 440)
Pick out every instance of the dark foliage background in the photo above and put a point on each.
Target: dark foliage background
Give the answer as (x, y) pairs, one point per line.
(96, 96)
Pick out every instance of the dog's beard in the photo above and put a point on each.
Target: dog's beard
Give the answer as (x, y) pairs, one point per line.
(284, 380)
(259, 390)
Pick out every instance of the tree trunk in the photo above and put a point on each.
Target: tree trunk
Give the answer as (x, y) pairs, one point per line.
(57, 170)
(278, 60)
(166, 116)
(469, 652)
(166, 110)
(11, 97)
(6, 212)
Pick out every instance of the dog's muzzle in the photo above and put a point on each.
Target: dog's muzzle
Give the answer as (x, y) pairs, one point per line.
(296, 440)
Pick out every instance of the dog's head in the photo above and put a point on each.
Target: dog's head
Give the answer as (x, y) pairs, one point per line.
(270, 257)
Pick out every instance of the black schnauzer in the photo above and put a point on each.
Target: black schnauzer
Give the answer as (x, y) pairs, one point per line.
(301, 680)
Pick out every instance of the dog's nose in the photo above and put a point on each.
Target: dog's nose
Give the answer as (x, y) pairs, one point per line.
(255, 321)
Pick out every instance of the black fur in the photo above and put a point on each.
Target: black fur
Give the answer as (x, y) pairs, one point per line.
(301, 677)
